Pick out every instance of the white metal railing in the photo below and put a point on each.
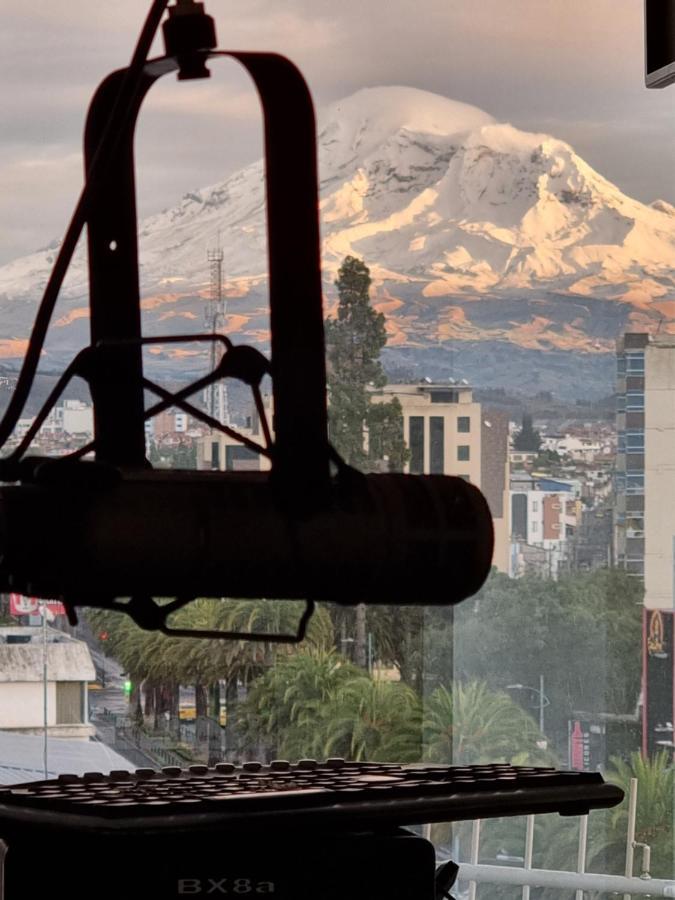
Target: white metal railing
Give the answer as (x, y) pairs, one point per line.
(576, 881)
(579, 881)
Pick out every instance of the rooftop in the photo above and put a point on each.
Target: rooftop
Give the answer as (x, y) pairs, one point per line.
(22, 757)
(21, 656)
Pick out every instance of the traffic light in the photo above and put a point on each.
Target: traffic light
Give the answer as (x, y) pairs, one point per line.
(127, 688)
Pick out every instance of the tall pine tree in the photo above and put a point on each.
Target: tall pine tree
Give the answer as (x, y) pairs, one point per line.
(366, 434)
(527, 438)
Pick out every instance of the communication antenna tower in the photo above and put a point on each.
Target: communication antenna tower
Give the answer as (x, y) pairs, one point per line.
(215, 395)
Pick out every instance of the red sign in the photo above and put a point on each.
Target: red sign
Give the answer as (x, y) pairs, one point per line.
(30, 606)
(577, 748)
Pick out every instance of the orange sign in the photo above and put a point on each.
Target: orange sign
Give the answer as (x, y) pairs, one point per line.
(655, 635)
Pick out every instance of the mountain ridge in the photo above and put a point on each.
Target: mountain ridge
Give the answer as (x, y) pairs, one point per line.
(474, 231)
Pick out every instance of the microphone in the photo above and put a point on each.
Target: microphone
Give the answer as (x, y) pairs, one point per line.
(381, 538)
(92, 532)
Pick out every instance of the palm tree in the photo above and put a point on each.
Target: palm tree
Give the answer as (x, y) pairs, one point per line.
(654, 823)
(470, 724)
(556, 837)
(373, 721)
(286, 706)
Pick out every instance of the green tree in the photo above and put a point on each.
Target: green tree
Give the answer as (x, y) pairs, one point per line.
(182, 456)
(315, 703)
(584, 629)
(469, 724)
(354, 341)
(654, 824)
(367, 433)
(527, 438)
(556, 838)
(373, 720)
(398, 640)
(285, 708)
(160, 663)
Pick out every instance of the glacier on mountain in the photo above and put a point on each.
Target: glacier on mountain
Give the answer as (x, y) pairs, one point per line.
(447, 207)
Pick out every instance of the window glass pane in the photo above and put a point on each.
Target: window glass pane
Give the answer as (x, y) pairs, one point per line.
(635, 363)
(635, 441)
(635, 400)
(416, 444)
(444, 396)
(635, 483)
(241, 459)
(496, 183)
(69, 702)
(436, 445)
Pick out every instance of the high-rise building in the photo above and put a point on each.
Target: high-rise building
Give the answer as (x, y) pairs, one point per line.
(659, 472)
(645, 513)
(449, 433)
(629, 529)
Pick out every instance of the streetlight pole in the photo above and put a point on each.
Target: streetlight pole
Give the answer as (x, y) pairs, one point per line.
(541, 703)
(543, 699)
(45, 694)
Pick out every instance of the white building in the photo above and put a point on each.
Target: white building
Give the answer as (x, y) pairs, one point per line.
(69, 669)
(72, 417)
(578, 449)
(544, 514)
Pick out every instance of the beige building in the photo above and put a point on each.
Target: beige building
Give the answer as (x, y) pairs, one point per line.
(449, 433)
(659, 472)
(446, 431)
(220, 452)
(645, 464)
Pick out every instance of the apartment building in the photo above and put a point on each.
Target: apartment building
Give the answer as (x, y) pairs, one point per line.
(544, 515)
(449, 433)
(169, 422)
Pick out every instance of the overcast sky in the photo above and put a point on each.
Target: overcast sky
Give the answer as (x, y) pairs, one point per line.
(573, 68)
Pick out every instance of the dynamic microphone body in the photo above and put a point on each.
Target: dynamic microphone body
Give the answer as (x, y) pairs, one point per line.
(383, 538)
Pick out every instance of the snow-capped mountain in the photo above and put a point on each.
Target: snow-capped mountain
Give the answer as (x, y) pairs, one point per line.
(473, 231)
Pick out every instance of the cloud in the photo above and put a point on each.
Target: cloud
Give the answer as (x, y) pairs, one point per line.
(205, 100)
(571, 67)
(38, 187)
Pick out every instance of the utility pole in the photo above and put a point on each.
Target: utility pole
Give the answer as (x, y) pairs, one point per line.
(541, 704)
(360, 636)
(215, 395)
(45, 692)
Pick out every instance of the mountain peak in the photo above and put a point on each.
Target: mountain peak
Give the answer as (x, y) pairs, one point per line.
(446, 205)
(370, 117)
(663, 206)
